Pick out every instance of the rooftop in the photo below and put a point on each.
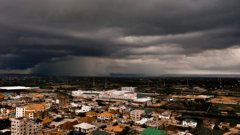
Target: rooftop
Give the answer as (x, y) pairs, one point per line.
(142, 99)
(15, 88)
(106, 114)
(115, 129)
(84, 126)
(35, 107)
(151, 131)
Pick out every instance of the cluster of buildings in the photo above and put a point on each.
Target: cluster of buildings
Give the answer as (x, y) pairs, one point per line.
(110, 112)
(126, 93)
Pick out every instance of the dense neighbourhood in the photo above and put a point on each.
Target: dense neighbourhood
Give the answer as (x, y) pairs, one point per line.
(67, 110)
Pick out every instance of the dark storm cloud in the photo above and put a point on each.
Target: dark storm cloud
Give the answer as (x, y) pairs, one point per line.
(35, 32)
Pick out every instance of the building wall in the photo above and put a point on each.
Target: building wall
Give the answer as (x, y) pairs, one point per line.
(136, 115)
(130, 89)
(20, 112)
(24, 126)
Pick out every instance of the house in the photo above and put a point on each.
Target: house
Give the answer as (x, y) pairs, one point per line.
(154, 124)
(113, 108)
(115, 129)
(31, 110)
(122, 109)
(165, 115)
(142, 121)
(87, 119)
(136, 115)
(65, 124)
(105, 116)
(189, 123)
(85, 128)
(84, 109)
(91, 114)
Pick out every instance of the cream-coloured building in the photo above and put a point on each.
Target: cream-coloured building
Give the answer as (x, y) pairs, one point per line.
(85, 128)
(25, 126)
(30, 110)
(136, 115)
(105, 116)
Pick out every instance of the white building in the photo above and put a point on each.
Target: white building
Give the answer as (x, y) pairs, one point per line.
(189, 123)
(118, 95)
(25, 126)
(77, 93)
(85, 128)
(84, 109)
(75, 104)
(143, 121)
(5, 111)
(136, 115)
(86, 94)
(165, 115)
(142, 101)
(30, 110)
(17, 88)
(129, 89)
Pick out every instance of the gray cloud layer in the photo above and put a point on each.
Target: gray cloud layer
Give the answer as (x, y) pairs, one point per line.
(137, 36)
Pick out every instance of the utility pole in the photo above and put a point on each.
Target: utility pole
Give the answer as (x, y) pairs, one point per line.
(105, 84)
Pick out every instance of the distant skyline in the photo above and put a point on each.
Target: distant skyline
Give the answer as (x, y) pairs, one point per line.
(97, 38)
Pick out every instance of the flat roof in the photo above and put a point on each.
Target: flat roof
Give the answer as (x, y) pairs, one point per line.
(84, 126)
(16, 88)
(151, 131)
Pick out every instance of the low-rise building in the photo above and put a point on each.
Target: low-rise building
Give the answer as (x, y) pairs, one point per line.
(86, 94)
(114, 129)
(91, 114)
(85, 128)
(189, 123)
(25, 126)
(165, 115)
(65, 124)
(142, 102)
(136, 115)
(105, 116)
(31, 110)
(84, 109)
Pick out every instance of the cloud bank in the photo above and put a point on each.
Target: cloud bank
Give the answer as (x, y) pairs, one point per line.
(77, 37)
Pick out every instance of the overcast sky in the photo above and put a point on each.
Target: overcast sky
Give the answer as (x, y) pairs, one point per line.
(98, 37)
